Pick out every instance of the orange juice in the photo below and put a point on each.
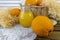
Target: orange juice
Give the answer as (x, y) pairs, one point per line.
(26, 19)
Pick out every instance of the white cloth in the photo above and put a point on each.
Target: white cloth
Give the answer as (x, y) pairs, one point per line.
(17, 33)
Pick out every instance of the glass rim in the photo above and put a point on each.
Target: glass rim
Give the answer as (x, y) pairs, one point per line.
(34, 6)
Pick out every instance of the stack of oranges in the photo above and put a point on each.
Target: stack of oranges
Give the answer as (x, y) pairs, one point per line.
(33, 2)
(41, 25)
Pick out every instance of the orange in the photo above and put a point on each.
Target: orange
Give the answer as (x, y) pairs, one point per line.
(32, 2)
(39, 2)
(15, 12)
(42, 26)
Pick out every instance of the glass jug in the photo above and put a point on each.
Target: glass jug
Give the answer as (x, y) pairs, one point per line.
(26, 16)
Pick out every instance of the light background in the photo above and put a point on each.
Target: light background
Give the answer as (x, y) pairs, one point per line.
(12, 2)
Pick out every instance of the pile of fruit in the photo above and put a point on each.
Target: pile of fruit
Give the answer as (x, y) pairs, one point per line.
(34, 2)
(41, 25)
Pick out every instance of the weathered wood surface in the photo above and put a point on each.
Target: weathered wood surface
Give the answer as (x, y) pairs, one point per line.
(54, 36)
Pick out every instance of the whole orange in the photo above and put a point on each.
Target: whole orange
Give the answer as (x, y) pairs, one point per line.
(15, 12)
(32, 2)
(42, 26)
(39, 2)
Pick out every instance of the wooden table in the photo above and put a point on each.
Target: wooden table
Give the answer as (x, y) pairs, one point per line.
(54, 36)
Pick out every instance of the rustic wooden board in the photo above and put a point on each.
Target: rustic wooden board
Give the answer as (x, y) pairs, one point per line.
(57, 28)
(54, 36)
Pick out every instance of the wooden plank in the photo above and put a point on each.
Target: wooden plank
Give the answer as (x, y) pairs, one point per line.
(57, 28)
(55, 35)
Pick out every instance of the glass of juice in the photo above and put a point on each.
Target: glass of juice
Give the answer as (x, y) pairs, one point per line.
(26, 16)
